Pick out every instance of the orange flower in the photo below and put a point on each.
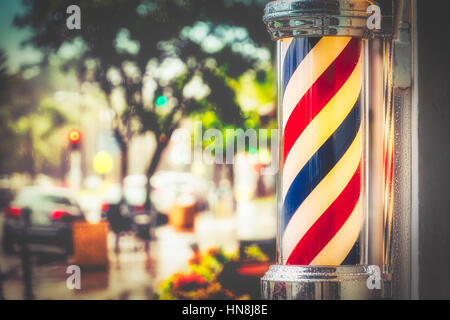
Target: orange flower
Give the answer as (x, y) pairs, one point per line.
(189, 282)
(196, 259)
(213, 251)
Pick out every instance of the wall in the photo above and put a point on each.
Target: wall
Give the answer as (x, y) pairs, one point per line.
(434, 149)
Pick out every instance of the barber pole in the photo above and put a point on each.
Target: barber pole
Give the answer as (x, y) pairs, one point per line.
(330, 191)
(322, 149)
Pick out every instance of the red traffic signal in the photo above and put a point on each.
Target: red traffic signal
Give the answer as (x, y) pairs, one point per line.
(74, 136)
(74, 139)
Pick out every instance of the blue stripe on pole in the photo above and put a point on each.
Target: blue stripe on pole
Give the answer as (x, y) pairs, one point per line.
(322, 162)
(297, 51)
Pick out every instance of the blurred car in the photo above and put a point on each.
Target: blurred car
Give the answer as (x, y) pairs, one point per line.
(168, 186)
(52, 212)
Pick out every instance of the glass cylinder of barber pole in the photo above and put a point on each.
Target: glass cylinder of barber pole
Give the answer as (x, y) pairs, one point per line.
(324, 193)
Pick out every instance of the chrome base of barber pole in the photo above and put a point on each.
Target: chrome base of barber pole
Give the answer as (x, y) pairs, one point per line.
(283, 282)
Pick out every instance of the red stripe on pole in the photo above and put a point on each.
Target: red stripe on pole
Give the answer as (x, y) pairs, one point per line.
(321, 92)
(328, 224)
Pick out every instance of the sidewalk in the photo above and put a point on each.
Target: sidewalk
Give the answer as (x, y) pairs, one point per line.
(134, 273)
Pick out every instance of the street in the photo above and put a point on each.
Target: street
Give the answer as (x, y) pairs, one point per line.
(132, 273)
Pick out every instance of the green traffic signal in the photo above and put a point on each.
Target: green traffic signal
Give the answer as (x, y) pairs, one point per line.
(161, 101)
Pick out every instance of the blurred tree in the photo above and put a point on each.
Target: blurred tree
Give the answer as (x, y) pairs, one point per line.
(6, 132)
(145, 55)
(28, 124)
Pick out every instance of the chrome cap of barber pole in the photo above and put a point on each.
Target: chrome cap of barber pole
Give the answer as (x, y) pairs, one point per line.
(317, 18)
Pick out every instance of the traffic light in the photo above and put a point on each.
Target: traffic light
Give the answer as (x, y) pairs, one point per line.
(74, 139)
(161, 101)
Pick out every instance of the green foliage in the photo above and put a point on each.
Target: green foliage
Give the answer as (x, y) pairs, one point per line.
(156, 29)
(130, 45)
(201, 281)
(255, 253)
(30, 125)
(205, 275)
